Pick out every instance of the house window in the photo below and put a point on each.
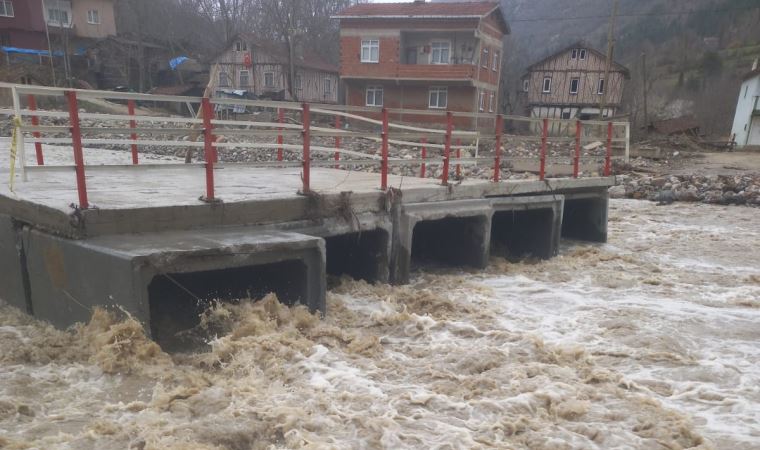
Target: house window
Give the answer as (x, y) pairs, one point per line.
(484, 61)
(245, 78)
(566, 115)
(547, 85)
(58, 16)
(241, 46)
(224, 80)
(482, 101)
(600, 89)
(583, 53)
(438, 98)
(269, 79)
(93, 17)
(299, 82)
(495, 65)
(374, 96)
(526, 85)
(492, 102)
(328, 86)
(574, 54)
(6, 8)
(370, 51)
(574, 84)
(746, 89)
(440, 53)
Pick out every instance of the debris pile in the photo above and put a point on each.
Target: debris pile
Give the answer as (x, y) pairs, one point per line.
(713, 189)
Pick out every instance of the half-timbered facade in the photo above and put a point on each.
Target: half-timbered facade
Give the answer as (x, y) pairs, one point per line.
(419, 55)
(261, 67)
(571, 84)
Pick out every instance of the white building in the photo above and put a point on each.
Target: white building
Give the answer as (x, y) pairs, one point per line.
(746, 129)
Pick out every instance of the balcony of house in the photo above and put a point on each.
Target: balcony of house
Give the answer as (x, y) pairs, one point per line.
(438, 55)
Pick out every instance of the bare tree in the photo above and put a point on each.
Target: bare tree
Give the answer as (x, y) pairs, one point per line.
(304, 25)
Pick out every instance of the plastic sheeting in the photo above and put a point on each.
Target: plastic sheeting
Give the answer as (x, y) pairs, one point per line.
(176, 62)
(28, 51)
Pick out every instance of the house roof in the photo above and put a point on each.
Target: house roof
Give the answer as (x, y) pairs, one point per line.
(279, 53)
(581, 44)
(425, 10)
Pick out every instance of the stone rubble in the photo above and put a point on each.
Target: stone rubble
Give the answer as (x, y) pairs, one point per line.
(713, 189)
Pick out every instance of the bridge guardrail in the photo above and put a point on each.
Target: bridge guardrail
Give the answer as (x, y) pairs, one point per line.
(441, 146)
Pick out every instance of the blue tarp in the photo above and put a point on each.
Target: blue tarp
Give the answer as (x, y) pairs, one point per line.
(176, 62)
(29, 51)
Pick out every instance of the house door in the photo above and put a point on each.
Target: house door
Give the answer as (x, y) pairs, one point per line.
(753, 137)
(411, 55)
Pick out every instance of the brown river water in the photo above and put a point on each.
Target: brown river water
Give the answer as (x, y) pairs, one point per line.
(651, 341)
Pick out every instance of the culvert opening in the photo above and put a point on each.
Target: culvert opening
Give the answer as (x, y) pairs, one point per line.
(453, 241)
(177, 300)
(519, 234)
(362, 255)
(585, 219)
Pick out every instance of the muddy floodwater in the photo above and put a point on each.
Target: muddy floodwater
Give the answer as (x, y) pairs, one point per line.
(651, 341)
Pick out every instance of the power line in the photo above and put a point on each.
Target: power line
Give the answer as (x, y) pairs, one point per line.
(679, 13)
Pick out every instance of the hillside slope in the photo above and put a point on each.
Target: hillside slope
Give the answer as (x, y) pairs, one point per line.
(697, 50)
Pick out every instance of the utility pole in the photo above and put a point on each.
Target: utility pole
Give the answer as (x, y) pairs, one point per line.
(645, 81)
(50, 47)
(608, 65)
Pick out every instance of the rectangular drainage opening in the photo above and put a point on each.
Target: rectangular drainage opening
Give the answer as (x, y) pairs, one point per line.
(517, 234)
(177, 300)
(453, 241)
(362, 255)
(585, 219)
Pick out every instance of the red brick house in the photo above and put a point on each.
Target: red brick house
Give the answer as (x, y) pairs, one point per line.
(22, 24)
(418, 55)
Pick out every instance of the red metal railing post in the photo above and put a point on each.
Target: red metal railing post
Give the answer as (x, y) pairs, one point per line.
(577, 157)
(608, 157)
(337, 142)
(281, 120)
(36, 134)
(497, 158)
(544, 139)
(447, 148)
(76, 139)
(459, 156)
(384, 150)
(133, 125)
(208, 146)
(306, 118)
(423, 155)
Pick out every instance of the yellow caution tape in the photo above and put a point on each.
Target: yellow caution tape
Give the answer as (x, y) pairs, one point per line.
(14, 148)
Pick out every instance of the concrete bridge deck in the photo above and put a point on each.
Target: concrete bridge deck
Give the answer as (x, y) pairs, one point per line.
(142, 238)
(150, 246)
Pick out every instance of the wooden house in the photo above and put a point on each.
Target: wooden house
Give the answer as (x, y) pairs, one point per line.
(570, 84)
(419, 55)
(261, 67)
